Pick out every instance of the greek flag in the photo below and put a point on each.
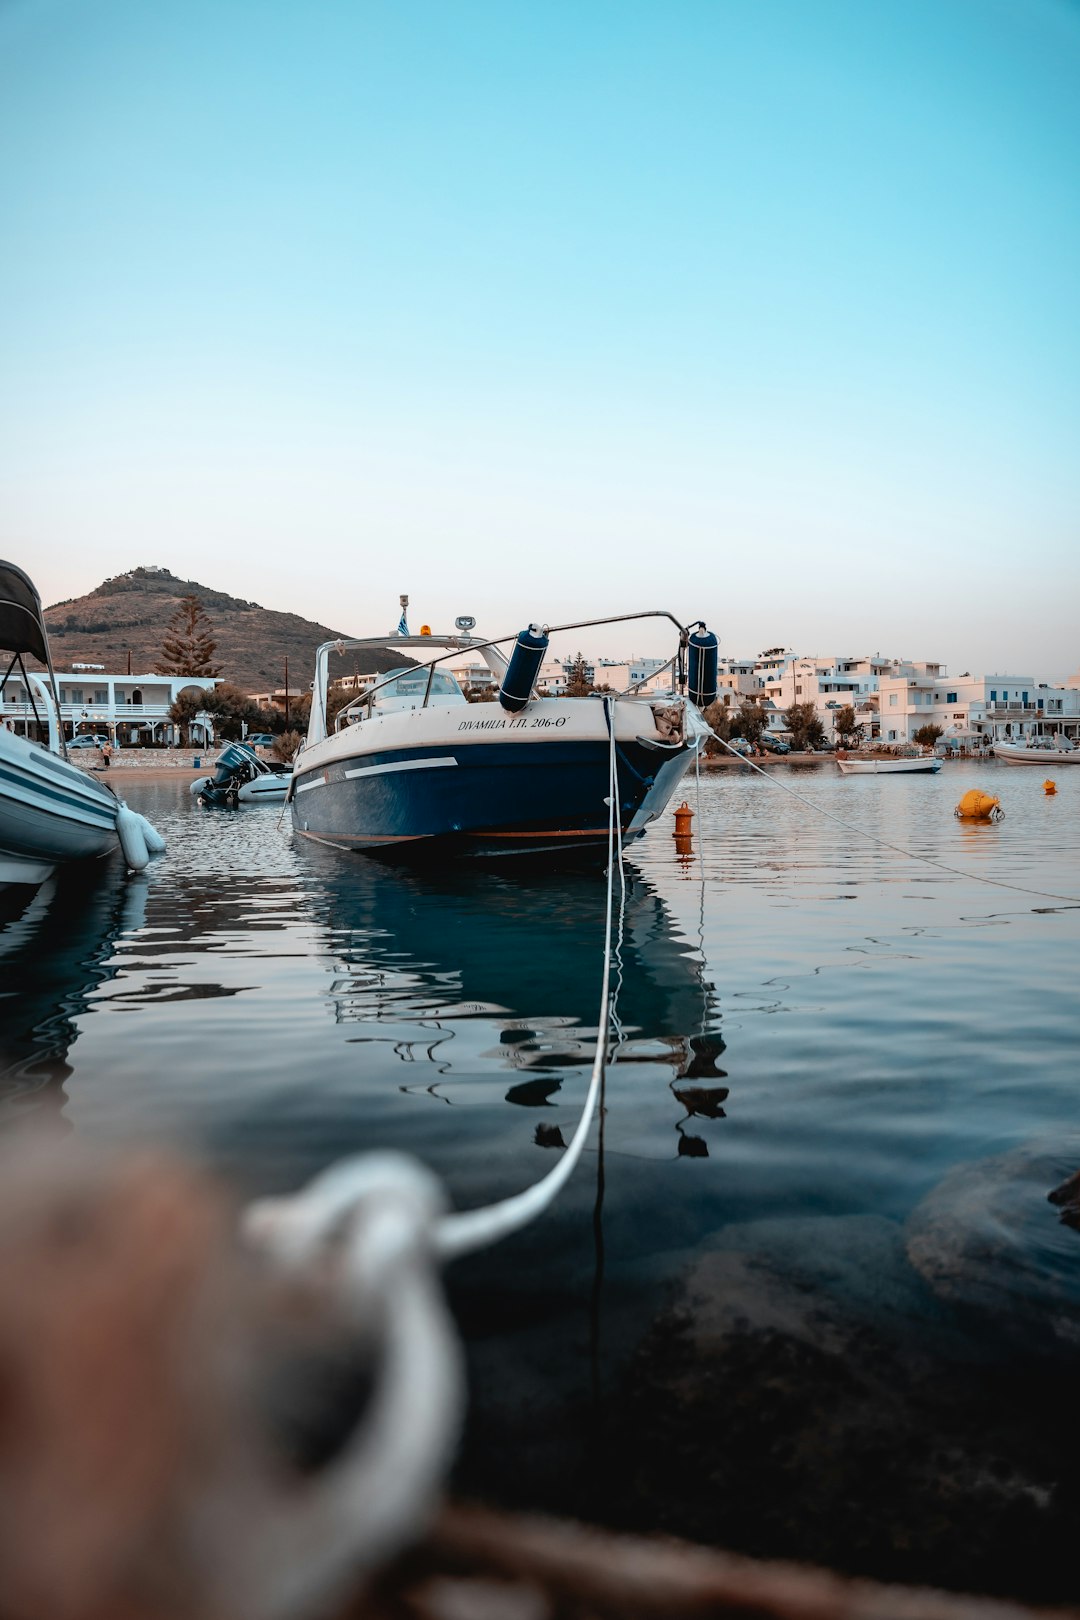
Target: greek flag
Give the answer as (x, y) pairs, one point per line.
(402, 628)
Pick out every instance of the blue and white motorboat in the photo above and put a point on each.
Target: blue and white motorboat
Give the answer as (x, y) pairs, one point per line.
(241, 777)
(51, 812)
(410, 766)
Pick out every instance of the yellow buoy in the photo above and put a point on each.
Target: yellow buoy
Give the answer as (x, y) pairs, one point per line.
(979, 806)
(1049, 787)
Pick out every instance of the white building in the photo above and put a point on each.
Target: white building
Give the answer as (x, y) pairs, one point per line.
(977, 709)
(130, 709)
(622, 673)
(831, 682)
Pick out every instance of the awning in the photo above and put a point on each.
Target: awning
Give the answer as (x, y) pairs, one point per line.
(22, 628)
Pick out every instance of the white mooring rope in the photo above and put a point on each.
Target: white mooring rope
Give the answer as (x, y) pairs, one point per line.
(378, 1224)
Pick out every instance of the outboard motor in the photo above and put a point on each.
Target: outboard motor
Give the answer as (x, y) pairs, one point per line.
(523, 668)
(236, 765)
(702, 665)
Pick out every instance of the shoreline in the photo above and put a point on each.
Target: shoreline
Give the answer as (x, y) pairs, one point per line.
(728, 761)
(156, 769)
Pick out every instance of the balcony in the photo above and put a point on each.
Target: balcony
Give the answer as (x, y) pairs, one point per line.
(1013, 708)
(81, 713)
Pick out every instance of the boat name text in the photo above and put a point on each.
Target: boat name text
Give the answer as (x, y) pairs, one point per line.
(535, 722)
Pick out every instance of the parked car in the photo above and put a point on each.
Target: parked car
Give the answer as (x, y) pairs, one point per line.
(776, 745)
(740, 745)
(260, 739)
(86, 740)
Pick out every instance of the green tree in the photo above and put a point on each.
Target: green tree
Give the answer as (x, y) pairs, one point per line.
(848, 730)
(229, 710)
(804, 723)
(719, 716)
(285, 746)
(184, 709)
(232, 710)
(927, 736)
(577, 682)
(750, 721)
(188, 645)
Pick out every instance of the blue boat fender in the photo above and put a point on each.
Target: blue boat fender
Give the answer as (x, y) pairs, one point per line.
(523, 668)
(702, 667)
(132, 840)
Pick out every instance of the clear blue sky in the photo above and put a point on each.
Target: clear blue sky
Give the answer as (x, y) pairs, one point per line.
(762, 310)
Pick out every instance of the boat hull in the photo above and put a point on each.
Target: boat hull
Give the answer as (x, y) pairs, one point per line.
(51, 813)
(888, 767)
(1011, 754)
(484, 799)
(263, 790)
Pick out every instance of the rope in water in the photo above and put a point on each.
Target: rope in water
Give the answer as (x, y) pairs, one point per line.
(378, 1224)
(475, 1229)
(862, 832)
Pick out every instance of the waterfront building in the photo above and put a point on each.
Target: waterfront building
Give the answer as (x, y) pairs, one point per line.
(474, 674)
(622, 673)
(830, 683)
(977, 709)
(131, 710)
(281, 698)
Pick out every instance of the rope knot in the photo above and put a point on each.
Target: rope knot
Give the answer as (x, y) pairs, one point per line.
(363, 1220)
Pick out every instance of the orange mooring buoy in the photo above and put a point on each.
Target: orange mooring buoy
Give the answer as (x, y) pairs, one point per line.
(1049, 787)
(683, 817)
(979, 806)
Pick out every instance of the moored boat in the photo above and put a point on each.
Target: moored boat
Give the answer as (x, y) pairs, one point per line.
(241, 777)
(51, 812)
(886, 764)
(1038, 751)
(412, 766)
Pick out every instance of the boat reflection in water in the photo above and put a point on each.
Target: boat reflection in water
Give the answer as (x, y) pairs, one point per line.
(469, 977)
(57, 946)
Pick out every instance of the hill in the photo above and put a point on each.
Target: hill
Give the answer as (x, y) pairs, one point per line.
(129, 614)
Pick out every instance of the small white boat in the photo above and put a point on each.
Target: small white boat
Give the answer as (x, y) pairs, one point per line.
(411, 767)
(1038, 751)
(241, 777)
(51, 812)
(887, 764)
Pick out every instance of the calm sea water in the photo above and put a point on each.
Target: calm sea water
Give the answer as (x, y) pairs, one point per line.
(806, 1294)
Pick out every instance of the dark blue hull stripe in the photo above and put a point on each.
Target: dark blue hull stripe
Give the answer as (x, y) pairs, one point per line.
(88, 805)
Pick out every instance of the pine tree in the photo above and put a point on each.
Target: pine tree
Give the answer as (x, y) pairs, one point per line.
(188, 645)
(577, 679)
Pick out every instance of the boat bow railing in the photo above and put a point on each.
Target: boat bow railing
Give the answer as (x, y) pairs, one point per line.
(459, 644)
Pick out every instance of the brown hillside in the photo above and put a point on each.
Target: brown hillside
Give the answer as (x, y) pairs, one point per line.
(131, 612)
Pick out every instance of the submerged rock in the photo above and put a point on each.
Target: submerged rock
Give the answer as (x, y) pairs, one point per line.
(1067, 1197)
(985, 1241)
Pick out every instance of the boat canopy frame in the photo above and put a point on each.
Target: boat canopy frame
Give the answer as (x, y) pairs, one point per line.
(22, 630)
(317, 727)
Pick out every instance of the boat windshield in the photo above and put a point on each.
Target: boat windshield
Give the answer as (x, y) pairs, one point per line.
(405, 689)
